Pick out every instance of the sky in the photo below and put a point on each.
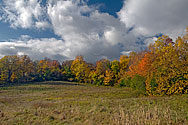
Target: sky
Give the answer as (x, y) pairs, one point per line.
(96, 29)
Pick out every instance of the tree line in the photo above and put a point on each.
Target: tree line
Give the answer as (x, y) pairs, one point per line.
(161, 69)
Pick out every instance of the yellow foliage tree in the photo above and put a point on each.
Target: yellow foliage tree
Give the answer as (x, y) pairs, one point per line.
(124, 61)
(109, 78)
(115, 68)
(14, 77)
(170, 67)
(80, 69)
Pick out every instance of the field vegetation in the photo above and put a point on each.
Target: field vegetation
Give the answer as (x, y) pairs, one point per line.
(73, 103)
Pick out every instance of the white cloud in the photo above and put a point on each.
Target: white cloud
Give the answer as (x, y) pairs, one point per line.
(35, 48)
(42, 25)
(82, 28)
(149, 17)
(25, 38)
(88, 32)
(23, 13)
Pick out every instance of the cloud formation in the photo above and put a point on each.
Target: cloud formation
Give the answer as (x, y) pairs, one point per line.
(150, 17)
(83, 30)
(86, 31)
(24, 14)
(35, 48)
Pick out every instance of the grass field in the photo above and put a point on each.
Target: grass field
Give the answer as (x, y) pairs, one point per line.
(71, 103)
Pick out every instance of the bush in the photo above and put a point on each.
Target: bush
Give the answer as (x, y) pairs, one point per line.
(122, 83)
(138, 83)
(125, 82)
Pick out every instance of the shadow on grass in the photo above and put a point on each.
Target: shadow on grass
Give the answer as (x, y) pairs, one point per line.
(66, 83)
(59, 83)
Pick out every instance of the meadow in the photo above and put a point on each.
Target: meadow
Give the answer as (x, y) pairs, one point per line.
(72, 103)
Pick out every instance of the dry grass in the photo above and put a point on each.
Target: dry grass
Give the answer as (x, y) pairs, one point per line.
(70, 103)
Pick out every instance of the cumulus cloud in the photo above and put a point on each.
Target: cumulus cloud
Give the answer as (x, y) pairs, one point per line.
(150, 17)
(83, 30)
(88, 32)
(42, 25)
(35, 48)
(24, 14)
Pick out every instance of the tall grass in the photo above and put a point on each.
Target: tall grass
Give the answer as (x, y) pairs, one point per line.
(69, 103)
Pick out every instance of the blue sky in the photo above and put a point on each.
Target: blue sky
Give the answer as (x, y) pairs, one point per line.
(6, 33)
(109, 6)
(96, 29)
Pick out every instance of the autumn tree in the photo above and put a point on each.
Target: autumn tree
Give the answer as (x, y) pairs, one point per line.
(27, 68)
(124, 61)
(14, 77)
(80, 69)
(109, 79)
(134, 63)
(8, 66)
(4, 70)
(169, 68)
(115, 69)
(43, 70)
(102, 65)
(99, 74)
(66, 70)
(55, 69)
(49, 70)
(124, 66)
(142, 66)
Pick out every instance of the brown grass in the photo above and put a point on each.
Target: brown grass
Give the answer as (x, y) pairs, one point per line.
(72, 103)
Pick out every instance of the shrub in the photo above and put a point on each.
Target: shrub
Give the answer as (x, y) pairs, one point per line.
(138, 83)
